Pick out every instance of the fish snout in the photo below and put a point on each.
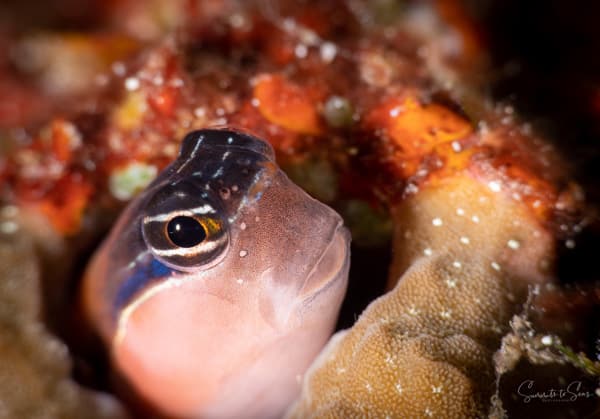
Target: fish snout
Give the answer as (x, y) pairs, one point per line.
(330, 270)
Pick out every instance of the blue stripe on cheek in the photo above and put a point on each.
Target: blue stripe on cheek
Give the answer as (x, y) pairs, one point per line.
(142, 277)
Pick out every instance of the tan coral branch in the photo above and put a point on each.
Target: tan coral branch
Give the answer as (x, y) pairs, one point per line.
(464, 255)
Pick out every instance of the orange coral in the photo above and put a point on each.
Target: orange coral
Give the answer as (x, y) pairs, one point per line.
(64, 139)
(286, 104)
(417, 129)
(65, 208)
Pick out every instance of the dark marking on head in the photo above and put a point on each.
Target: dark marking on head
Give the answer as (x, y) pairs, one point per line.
(228, 139)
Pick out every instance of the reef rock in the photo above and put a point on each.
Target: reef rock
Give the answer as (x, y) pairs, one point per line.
(35, 369)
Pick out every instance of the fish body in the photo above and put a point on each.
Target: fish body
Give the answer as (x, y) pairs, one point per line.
(220, 283)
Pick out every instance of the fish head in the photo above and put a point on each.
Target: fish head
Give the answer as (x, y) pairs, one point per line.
(220, 283)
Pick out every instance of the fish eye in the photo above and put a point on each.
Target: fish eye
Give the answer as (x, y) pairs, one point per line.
(184, 231)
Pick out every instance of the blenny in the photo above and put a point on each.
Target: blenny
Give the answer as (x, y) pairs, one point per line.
(220, 283)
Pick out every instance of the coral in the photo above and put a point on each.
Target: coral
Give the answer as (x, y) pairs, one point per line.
(464, 255)
(35, 367)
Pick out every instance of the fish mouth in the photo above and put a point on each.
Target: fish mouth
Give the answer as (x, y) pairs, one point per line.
(331, 268)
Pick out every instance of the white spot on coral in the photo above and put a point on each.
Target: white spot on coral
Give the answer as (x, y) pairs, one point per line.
(158, 80)
(456, 147)
(428, 252)
(200, 112)
(243, 226)
(457, 264)
(451, 283)
(497, 329)
(237, 20)
(475, 219)
(436, 390)
(389, 359)
(483, 127)
(9, 227)
(240, 281)
(513, 244)
(328, 52)
(368, 387)
(132, 83)
(411, 189)
(446, 314)
(428, 412)
(340, 370)
(547, 340)
(413, 311)
(460, 212)
(437, 222)
(177, 82)
(243, 253)
(570, 244)
(399, 388)
(119, 68)
(394, 112)
(301, 51)
(495, 266)
(465, 240)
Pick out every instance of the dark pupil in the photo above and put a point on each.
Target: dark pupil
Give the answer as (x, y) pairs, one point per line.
(185, 231)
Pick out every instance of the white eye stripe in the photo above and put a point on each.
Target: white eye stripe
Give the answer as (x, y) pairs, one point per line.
(204, 209)
(187, 251)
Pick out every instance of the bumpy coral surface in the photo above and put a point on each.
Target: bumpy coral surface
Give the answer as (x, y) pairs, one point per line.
(34, 376)
(463, 257)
